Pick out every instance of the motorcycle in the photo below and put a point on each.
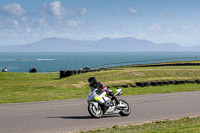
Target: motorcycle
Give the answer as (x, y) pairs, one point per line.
(99, 105)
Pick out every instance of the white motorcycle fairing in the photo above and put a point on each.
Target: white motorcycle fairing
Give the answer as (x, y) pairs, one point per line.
(102, 99)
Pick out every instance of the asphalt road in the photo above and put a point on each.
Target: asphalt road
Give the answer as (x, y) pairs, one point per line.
(72, 115)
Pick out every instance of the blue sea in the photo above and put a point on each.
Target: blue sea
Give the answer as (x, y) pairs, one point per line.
(56, 61)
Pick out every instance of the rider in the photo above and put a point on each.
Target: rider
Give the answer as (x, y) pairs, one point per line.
(94, 84)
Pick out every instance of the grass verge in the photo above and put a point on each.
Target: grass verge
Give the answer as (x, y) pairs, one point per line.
(29, 87)
(183, 125)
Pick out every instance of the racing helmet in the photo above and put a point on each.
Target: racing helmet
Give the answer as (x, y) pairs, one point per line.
(92, 81)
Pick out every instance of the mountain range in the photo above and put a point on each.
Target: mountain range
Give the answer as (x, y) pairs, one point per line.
(128, 44)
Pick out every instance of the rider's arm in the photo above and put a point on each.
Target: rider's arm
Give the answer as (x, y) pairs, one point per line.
(104, 88)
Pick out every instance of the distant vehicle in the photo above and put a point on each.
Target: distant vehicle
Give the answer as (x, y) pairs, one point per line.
(86, 68)
(5, 70)
(33, 70)
(96, 110)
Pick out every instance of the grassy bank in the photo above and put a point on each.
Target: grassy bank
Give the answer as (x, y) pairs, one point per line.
(164, 63)
(184, 125)
(28, 87)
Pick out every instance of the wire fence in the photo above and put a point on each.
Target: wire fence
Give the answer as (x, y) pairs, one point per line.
(144, 62)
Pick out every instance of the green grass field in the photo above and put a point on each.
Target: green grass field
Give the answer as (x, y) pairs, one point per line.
(28, 87)
(184, 125)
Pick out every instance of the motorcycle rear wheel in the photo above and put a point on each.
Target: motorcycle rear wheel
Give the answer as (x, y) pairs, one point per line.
(125, 111)
(95, 112)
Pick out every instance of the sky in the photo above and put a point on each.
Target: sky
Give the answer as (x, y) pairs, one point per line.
(159, 21)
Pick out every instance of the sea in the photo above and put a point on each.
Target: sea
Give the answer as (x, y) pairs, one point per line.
(56, 61)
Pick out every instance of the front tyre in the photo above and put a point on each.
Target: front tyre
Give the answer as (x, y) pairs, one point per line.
(95, 112)
(125, 111)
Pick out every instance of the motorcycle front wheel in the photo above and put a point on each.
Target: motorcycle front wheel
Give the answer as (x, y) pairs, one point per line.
(125, 111)
(95, 112)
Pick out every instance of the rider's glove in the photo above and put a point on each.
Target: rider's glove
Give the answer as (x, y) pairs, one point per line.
(111, 94)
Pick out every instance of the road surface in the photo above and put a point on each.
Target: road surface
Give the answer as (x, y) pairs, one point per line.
(72, 115)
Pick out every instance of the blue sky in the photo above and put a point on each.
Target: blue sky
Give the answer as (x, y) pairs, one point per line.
(160, 21)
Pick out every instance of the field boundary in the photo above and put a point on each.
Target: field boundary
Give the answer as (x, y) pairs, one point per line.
(144, 62)
(158, 83)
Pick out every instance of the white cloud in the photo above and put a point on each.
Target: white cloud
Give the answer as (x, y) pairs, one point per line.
(113, 35)
(42, 22)
(177, 36)
(14, 12)
(14, 9)
(132, 10)
(15, 23)
(141, 35)
(56, 9)
(169, 30)
(186, 27)
(76, 11)
(164, 14)
(73, 23)
(83, 11)
(44, 5)
(28, 30)
(107, 34)
(1, 23)
(24, 19)
(155, 27)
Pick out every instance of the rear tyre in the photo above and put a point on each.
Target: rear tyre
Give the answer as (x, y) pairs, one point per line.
(95, 112)
(125, 111)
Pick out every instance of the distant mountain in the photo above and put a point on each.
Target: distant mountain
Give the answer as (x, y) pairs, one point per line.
(49, 44)
(127, 44)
